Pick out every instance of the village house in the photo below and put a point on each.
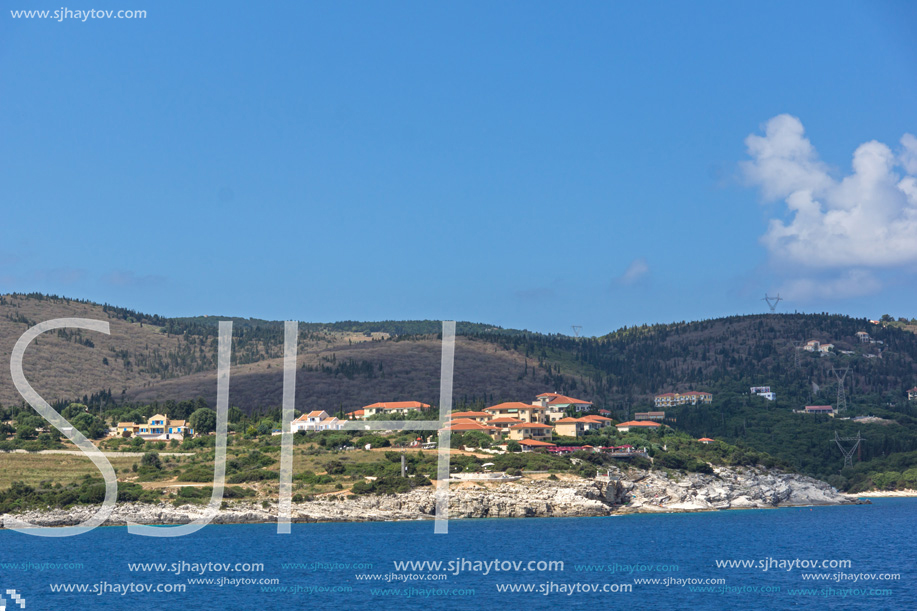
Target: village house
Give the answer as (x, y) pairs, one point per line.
(464, 425)
(391, 407)
(570, 427)
(316, 421)
(157, 428)
(531, 430)
(530, 445)
(481, 417)
(705, 440)
(819, 409)
(625, 427)
(763, 391)
(556, 405)
(660, 416)
(596, 422)
(912, 394)
(671, 399)
(522, 411)
(504, 422)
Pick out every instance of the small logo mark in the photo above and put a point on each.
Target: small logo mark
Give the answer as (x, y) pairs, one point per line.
(17, 598)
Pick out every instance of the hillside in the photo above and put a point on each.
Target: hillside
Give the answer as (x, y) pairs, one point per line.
(340, 365)
(346, 365)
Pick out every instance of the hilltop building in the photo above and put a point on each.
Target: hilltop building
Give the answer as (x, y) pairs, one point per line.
(912, 394)
(764, 391)
(671, 399)
(819, 409)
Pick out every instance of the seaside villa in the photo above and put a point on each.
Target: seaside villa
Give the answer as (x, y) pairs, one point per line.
(531, 430)
(157, 428)
(556, 405)
(515, 409)
(624, 427)
(392, 407)
(319, 420)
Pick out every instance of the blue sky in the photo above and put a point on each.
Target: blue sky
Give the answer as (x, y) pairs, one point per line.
(532, 165)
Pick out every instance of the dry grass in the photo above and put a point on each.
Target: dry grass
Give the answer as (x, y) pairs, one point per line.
(35, 468)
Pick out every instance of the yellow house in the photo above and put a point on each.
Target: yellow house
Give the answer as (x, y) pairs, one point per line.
(530, 430)
(481, 417)
(504, 422)
(515, 409)
(571, 427)
(157, 428)
(393, 407)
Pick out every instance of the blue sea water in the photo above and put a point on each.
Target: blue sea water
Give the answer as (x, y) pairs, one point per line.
(606, 553)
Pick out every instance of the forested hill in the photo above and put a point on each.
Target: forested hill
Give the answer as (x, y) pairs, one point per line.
(345, 365)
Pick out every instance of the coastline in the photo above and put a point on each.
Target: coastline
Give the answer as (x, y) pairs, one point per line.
(878, 494)
(619, 494)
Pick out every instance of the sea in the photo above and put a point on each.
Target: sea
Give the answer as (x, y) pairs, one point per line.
(837, 557)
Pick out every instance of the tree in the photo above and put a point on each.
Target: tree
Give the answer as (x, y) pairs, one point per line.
(513, 446)
(151, 459)
(203, 420)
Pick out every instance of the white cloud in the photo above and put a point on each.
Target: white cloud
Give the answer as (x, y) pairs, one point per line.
(850, 283)
(867, 219)
(636, 270)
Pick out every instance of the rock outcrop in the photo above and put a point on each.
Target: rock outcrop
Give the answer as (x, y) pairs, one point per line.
(622, 492)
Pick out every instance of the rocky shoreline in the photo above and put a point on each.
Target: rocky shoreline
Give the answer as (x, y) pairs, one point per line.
(633, 491)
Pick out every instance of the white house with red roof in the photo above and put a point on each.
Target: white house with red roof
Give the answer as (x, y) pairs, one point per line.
(318, 420)
(912, 394)
(392, 407)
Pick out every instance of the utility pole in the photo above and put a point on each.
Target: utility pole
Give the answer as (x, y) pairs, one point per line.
(841, 394)
(772, 301)
(576, 330)
(848, 454)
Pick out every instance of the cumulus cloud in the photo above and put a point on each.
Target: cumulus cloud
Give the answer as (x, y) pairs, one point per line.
(636, 270)
(864, 220)
(850, 283)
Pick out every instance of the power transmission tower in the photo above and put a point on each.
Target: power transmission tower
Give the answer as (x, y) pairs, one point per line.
(576, 329)
(848, 454)
(772, 301)
(841, 394)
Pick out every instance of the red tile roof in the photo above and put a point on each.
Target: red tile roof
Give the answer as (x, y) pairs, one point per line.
(512, 405)
(569, 420)
(705, 439)
(398, 405)
(468, 425)
(504, 420)
(531, 425)
(535, 443)
(469, 415)
(556, 399)
(638, 423)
